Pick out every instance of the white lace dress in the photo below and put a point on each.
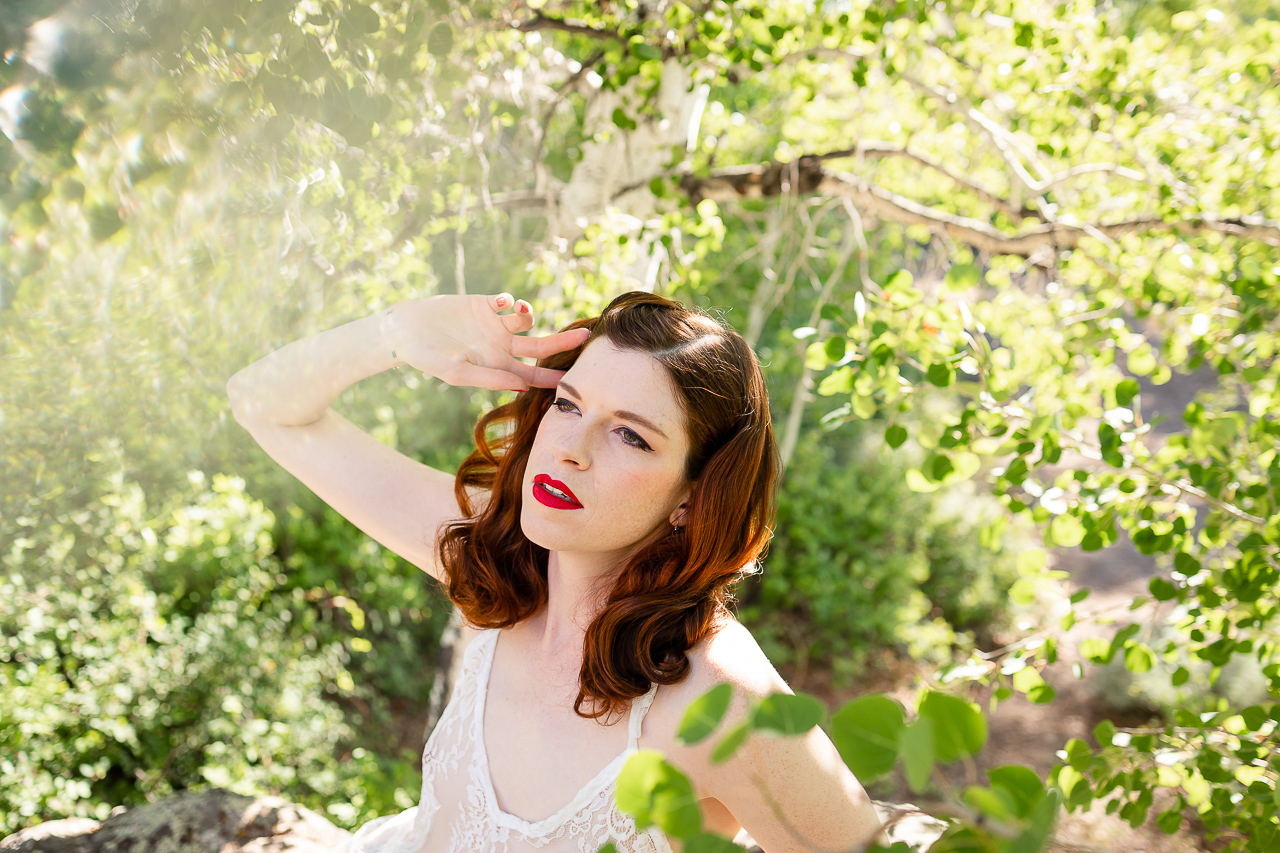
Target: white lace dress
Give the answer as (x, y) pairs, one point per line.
(458, 811)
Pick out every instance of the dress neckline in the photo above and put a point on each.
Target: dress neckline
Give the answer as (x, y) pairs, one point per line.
(639, 707)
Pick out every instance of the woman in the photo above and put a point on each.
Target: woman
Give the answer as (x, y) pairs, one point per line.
(588, 542)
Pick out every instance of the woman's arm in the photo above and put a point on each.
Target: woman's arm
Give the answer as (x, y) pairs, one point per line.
(283, 401)
(791, 794)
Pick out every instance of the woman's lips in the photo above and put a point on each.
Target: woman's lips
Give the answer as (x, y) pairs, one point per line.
(549, 498)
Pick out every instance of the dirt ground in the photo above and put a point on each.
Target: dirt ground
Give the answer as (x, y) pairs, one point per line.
(1024, 733)
(1029, 734)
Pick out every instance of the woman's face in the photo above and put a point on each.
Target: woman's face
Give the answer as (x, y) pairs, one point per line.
(612, 450)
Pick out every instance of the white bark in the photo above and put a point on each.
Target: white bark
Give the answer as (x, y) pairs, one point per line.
(611, 181)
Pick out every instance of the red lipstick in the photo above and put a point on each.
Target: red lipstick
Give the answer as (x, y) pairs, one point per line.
(542, 485)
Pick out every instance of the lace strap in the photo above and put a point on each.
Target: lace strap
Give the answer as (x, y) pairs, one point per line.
(639, 707)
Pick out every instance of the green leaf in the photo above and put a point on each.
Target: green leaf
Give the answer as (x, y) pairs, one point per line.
(962, 277)
(1138, 658)
(895, 435)
(836, 347)
(1170, 821)
(1141, 360)
(1079, 755)
(991, 802)
(1185, 563)
(1042, 694)
(709, 842)
(655, 792)
(1031, 561)
(729, 744)
(358, 21)
(839, 381)
(940, 374)
(867, 732)
(1023, 591)
(964, 838)
(901, 280)
(959, 726)
(1026, 678)
(1162, 590)
(104, 220)
(1039, 825)
(863, 405)
(916, 482)
(622, 120)
(1095, 649)
(859, 73)
(787, 713)
(919, 752)
(1066, 531)
(1254, 717)
(1021, 783)
(1126, 391)
(704, 714)
(643, 50)
(440, 40)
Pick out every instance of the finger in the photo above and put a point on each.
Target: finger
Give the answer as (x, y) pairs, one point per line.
(544, 377)
(517, 323)
(536, 377)
(501, 301)
(485, 377)
(541, 347)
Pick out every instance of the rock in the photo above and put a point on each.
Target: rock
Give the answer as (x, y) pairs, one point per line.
(907, 823)
(218, 821)
(212, 821)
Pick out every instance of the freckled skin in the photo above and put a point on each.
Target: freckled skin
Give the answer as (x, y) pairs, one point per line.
(628, 494)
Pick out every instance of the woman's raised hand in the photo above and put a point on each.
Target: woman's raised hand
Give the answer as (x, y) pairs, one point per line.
(466, 340)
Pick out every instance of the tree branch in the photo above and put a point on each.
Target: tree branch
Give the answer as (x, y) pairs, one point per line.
(540, 21)
(878, 149)
(756, 181)
(1038, 243)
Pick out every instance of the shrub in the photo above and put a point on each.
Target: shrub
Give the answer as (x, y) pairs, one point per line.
(144, 652)
(859, 563)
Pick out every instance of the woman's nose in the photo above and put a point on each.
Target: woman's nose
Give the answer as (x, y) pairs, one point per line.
(571, 447)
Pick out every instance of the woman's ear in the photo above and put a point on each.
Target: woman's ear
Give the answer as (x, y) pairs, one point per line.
(677, 517)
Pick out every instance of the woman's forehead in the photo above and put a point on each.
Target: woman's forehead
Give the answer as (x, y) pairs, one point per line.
(620, 378)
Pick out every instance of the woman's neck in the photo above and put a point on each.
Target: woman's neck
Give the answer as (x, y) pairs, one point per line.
(577, 589)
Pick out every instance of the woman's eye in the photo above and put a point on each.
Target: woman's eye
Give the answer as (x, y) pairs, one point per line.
(631, 437)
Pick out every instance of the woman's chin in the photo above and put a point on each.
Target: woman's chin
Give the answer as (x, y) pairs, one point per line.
(543, 532)
(546, 533)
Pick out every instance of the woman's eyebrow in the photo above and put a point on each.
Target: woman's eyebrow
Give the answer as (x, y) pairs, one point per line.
(622, 413)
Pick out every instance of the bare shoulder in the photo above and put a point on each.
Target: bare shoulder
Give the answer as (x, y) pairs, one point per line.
(729, 655)
(802, 777)
(466, 634)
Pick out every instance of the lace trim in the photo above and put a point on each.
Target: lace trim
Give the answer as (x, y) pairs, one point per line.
(589, 820)
(598, 792)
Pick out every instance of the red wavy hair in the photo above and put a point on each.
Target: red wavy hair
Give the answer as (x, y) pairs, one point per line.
(672, 592)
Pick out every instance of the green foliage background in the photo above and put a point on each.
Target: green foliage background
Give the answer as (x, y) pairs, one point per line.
(1063, 201)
